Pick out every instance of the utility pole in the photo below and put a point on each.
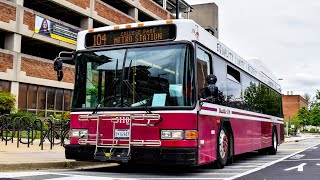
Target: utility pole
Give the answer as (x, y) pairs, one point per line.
(177, 9)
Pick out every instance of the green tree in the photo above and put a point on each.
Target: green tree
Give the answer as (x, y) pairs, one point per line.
(307, 97)
(315, 116)
(303, 117)
(295, 121)
(7, 101)
(316, 100)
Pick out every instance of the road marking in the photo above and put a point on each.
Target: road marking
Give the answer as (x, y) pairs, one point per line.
(318, 164)
(269, 164)
(22, 174)
(314, 148)
(302, 160)
(299, 167)
(298, 156)
(292, 149)
(241, 166)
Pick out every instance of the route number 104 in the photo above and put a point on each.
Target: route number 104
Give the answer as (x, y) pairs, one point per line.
(99, 39)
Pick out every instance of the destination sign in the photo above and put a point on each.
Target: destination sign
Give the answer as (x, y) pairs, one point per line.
(129, 36)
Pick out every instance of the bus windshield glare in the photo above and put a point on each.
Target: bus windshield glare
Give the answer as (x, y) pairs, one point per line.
(158, 76)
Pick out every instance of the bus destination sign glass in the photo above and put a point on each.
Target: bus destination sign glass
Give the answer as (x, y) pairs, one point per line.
(129, 36)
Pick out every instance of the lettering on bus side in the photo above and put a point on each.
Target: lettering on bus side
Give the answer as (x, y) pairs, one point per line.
(235, 59)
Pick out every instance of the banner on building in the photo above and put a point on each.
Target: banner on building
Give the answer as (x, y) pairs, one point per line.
(54, 30)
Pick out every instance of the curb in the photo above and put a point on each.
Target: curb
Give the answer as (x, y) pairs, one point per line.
(51, 165)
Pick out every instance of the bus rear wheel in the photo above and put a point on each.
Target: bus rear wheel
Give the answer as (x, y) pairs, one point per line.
(222, 148)
(274, 148)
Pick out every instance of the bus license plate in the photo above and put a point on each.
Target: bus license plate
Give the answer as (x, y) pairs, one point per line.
(121, 133)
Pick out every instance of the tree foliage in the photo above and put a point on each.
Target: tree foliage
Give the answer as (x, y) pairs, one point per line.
(303, 116)
(315, 116)
(295, 121)
(7, 101)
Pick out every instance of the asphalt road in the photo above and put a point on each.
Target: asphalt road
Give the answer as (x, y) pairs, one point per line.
(304, 165)
(286, 164)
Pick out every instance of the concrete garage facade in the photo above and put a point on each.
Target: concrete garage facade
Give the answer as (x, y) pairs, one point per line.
(26, 57)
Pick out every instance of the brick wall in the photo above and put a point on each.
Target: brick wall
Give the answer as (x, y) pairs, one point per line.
(291, 105)
(7, 12)
(6, 61)
(154, 8)
(81, 3)
(111, 14)
(42, 69)
(29, 20)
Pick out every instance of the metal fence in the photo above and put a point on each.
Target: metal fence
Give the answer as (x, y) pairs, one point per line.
(26, 131)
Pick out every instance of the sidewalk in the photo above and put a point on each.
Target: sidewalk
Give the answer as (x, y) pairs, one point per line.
(33, 158)
(301, 137)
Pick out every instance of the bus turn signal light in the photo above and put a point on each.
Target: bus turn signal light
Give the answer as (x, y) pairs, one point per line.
(191, 134)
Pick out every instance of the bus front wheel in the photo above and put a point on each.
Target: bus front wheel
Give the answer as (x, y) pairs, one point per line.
(222, 148)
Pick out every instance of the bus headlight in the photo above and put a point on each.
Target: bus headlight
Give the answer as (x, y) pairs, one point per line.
(79, 133)
(172, 134)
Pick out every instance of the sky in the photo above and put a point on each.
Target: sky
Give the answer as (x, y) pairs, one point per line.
(283, 34)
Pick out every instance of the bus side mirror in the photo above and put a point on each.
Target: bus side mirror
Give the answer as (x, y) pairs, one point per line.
(57, 66)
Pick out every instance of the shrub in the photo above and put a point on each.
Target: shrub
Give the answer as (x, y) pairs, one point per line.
(20, 114)
(64, 116)
(312, 130)
(7, 101)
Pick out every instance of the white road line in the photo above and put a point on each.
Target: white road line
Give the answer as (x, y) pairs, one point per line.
(302, 160)
(185, 178)
(269, 164)
(297, 156)
(242, 166)
(22, 174)
(299, 167)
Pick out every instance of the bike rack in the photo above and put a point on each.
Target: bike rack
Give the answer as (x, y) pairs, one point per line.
(146, 120)
(41, 132)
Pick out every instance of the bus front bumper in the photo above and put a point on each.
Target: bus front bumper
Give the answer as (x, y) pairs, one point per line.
(145, 155)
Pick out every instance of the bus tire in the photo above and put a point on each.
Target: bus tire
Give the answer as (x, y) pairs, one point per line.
(222, 147)
(274, 148)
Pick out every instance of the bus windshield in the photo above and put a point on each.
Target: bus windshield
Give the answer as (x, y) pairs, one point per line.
(158, 76)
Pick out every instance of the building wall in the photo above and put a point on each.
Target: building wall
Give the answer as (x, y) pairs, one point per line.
(17, 23)
(291, 105)
(206, 15)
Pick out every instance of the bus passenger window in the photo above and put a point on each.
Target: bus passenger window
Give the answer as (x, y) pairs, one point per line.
(203, 69)
(234, 88)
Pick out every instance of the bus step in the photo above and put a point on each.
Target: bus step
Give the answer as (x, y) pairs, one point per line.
(118, 155)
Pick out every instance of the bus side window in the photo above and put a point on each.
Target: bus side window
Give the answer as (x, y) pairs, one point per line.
(203, 69)
(220, 70)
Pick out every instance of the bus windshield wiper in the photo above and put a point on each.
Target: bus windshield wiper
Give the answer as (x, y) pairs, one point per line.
(126, 82)
(133, 91)
(114, 81)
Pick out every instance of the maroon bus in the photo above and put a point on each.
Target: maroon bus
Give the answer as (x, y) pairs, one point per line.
(168, 92)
